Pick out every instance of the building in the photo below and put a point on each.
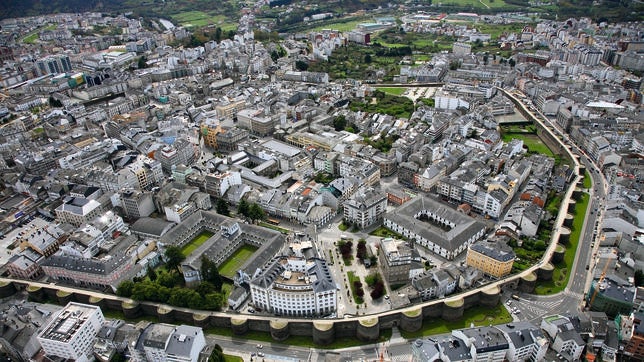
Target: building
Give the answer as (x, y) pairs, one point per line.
(295, 287)
(437, 228)
(635, 345)
(461, 49)
(566, 340)
(53, 64)
(78, 211)
(71, 333)
(137, 204)
(519, 341)
(612, 296)
(396, 258)
(169, 343)
(494, 259)
(365, 208)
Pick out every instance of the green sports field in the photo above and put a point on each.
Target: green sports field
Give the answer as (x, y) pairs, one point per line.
(234, 263)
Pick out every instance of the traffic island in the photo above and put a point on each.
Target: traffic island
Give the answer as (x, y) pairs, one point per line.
(323, 333)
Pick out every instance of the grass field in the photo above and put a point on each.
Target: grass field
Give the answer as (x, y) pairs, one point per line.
(345, 25)
(274, 227)
(562, 270)
(352, 277)
(197, 18)
(239, 257)
(396, 91)
(195, 243)
(486, 4)
(531, 141)
(587, 181)
(479, 316)
(231, 358)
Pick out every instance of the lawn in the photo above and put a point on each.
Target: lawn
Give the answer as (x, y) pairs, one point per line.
(478, 316)
(385, 233)
(531, 141)
(352, 277)
(197, 18)
(562, 270)
(196, 242)
(231, 358)
(33, 36)
(340, 25)
(274, 227)
(396, 91)
(587, 181)
(234, 263)
(485, 4)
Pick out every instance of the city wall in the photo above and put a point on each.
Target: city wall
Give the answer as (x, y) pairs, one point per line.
(323, 331)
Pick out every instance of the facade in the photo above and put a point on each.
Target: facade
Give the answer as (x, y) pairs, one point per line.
(566, 340)
(78, 211)
(71, 333)
(53, 64)
(137, 204)
(169, 343)
(435, 227)
(365, 208)
(295, 287)
(613, 296)
(396, 258)
(494, 259)
(519, 341)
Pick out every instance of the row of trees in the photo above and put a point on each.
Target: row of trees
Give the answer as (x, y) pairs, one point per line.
(345, 248)
(167, 286)
(377, 285)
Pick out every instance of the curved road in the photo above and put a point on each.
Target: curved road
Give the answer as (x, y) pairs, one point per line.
(534, 307)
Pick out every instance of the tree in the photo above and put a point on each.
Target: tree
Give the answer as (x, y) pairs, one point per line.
(152, 274)
(256, 213)
(173, 257)
(339, 123)
(243, 207)
(222, 207)
(639, 278)
(217, 355)
(512, 62)
(142, 62)
(301, 65)
(210, 273)
(125, 289)
(367, 58)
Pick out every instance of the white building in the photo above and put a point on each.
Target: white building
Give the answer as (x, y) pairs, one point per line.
(296, 287)
(170, 343)
(71, 333)
(365, 208)
(566, 340)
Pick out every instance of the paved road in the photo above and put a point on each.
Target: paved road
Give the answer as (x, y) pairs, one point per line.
(533, 307)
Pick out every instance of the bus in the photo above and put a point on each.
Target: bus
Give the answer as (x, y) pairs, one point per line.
(272, 221)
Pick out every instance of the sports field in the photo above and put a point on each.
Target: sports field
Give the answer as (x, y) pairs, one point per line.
(195, 243)
(234, 263)
(197, 18)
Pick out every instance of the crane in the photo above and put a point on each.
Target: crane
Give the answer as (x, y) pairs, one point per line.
(600, 280)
